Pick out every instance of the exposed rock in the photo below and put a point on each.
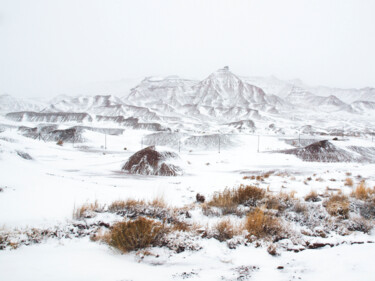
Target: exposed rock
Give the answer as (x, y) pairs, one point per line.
(24, 155)
(149, 161)
(200, 198)
(54, 117)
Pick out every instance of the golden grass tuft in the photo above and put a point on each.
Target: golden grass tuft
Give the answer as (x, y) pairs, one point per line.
(262, 225)
(362, 192)
(348, 182)
(312, 196)
(135, 235)
(229, 199)
(86, 210)
(120, 205)
(226, 229)
(338, 205)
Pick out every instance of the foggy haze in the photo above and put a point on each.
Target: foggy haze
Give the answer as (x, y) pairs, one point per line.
(55, 47)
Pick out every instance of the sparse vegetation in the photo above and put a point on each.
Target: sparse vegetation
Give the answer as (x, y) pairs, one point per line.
(225, 230)
(362, 192)
(338, 205)
(87, 210)
(134, 235)
(262, 225)
(229, 199)
(312, 196)
(348, 182)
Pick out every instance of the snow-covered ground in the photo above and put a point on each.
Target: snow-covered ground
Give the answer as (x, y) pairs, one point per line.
(44, 191)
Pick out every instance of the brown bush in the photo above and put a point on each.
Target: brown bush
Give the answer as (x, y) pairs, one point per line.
(262, 225)
(225, 230)
(87, 210)
(120, 205)
(362, 192)
(348, 182)
(312, 196)
(229, 199)
(134, 235)
(338, 205)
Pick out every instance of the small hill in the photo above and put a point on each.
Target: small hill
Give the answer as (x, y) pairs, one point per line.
(150, 161)
(323, 151)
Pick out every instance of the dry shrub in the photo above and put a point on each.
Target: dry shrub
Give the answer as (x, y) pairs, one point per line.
(181, 226)
(120, 205)
(360, 224)
(338, 205)
(312, 196)
(134, 235)
(158, 202)
(209, 211)
(229, 199)
(272, 250)
(87, 210)
(348, 182)
(362, 192)
(262, 225)
(225, 230)
(300, 207)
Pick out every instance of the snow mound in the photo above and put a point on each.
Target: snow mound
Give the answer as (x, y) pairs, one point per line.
(150, 161)
(323, 151)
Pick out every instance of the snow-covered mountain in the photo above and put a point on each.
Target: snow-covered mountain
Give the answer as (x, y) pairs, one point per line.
(224, 89)
(12, 104)
(221, 98)
(303, 98)
(170, 90)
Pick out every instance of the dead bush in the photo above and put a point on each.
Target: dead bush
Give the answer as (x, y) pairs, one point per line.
(348, 182)
(360, 224)
(134, 235)
(362, 192)
(280, 201)
(300, 207)
(225, 230)
(120, 205)
(229, 199)
(312, 197)
(87, 210)
(338, 205)
(262, 225)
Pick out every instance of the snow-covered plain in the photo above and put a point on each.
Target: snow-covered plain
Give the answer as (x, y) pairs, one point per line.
(227, 131)
(43, 192)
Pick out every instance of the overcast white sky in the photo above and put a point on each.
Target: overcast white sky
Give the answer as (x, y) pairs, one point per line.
(48, 47)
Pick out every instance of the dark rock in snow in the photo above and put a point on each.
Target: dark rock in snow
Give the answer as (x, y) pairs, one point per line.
(24, 155)
(200, 198)
(149, 161)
